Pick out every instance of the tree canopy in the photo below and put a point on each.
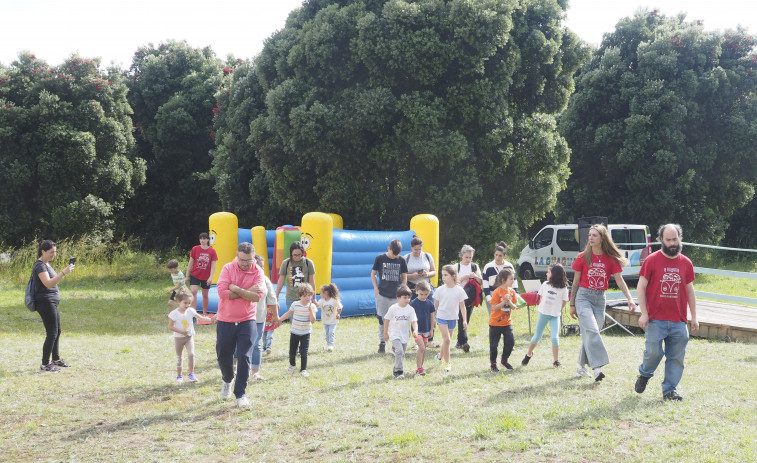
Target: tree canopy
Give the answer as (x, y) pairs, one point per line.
(171, 89)
(66, 163)
(378, 110)
(663, 126)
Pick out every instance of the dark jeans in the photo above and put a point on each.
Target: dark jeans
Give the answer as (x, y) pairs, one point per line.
(51, 319)
(508, 341)
(462, 335)
(231, 337)
(303, 340)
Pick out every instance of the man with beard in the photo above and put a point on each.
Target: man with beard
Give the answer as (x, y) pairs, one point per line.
(666, 287)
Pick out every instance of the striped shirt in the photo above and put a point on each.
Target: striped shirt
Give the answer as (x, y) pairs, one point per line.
(301, 324)
(178, 278)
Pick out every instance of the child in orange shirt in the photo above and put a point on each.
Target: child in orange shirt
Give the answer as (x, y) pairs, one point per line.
(504, 299)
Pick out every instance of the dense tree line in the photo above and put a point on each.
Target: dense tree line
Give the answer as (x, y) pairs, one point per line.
(378, 110)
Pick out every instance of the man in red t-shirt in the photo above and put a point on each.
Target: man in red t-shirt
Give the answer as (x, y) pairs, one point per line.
(665, 289)
(200, 270)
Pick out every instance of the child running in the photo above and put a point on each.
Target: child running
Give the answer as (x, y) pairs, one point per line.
(180, 322)
(397, 323)
(303, 317)
(426, 314)
(177, 277)
(553, 296)
(331, 311)
(504, 299)
(449, 302)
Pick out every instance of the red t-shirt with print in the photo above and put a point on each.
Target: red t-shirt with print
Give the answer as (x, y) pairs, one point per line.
(666, 288)
(202, 259)
(596, 276)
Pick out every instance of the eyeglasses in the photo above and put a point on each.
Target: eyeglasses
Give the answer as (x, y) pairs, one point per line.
(296, 254)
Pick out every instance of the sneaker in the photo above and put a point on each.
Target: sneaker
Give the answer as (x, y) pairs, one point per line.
(448, 366)
(242, 402)
(507, 366)
(398, 375)
(466, 347)
(420, 372)
(598, 375)
(179, 379)
(257, 376)
(672, 395)
(415, 347)
(641, 384)
(267, 353)
(458, 346)
(290, 369)
(330, 348)
(556, 364)
(226, 390)
(49, 368)
(437, 357)
(304, 373)
(526, 359)
(60, 363)
(192, 378)
(582, 372)
(382, 348)
(494, 368)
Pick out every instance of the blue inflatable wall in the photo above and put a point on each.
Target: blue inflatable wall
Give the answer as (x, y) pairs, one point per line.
(352, 261)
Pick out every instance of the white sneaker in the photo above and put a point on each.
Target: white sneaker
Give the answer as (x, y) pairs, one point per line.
(330, 348)
(582, 372)
(267, 353)
(242, 402)
(226, 390)
(305, 373)
(257, 377)
(290, 370)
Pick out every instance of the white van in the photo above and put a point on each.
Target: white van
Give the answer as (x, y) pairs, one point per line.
(559, 243)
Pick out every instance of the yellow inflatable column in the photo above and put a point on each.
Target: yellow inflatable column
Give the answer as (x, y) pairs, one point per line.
(224, 232)
(337, 220)
(426, 226)
(317, 238)
(261, 246)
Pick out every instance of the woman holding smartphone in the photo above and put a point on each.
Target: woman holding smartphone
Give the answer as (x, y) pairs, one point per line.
(46, 301)
(420, 265)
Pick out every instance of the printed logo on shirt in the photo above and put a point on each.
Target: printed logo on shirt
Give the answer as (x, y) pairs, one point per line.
(597, 277)
(390, 271)
(670, 284)
(296, 277)
(203, 261)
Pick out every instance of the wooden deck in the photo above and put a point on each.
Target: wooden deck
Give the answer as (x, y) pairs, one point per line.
(717, 320)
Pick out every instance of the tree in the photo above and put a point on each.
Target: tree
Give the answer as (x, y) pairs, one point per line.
(66, 160)
(378, 110)
(663, 127)
(171, 89)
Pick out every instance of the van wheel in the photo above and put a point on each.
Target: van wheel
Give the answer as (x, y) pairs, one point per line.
(526, 272)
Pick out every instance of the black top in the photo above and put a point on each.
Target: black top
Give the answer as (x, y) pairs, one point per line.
(389, 274)
(43, 292)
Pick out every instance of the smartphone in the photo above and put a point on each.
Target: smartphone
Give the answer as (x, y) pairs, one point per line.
(72, 261)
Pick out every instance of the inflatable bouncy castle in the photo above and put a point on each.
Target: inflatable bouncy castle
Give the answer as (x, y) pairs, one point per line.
(344, 257)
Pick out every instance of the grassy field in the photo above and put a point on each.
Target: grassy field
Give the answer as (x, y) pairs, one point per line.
(119, 403)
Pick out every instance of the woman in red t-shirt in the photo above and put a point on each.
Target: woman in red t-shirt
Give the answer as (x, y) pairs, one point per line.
(592, 269)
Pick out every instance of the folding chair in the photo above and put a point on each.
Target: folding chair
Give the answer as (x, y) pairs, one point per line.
(615, 322)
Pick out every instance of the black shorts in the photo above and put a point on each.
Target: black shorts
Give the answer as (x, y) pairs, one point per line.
(173, 294)
(193, 281)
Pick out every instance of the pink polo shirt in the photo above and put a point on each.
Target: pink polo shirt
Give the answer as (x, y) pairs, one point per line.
(239, 309)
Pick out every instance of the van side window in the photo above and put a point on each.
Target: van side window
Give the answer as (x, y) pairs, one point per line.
(620, 236)
(544, 238)
(638, 238)
(566, 240)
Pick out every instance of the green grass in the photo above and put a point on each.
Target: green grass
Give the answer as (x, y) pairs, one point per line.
(118, 401)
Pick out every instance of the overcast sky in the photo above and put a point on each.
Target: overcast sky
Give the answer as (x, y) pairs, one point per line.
(54, 29)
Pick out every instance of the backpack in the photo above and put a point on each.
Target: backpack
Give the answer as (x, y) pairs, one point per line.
(472, 289)
(31, 291)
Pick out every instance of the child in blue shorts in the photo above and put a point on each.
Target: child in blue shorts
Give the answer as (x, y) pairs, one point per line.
(449, 302)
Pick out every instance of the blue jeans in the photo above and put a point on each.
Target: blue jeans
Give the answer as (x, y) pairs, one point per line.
(256, 353)
(231, 337)
(676, 337)
(554, 328)
(590, 307)
(267, 339)
(329, 329)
